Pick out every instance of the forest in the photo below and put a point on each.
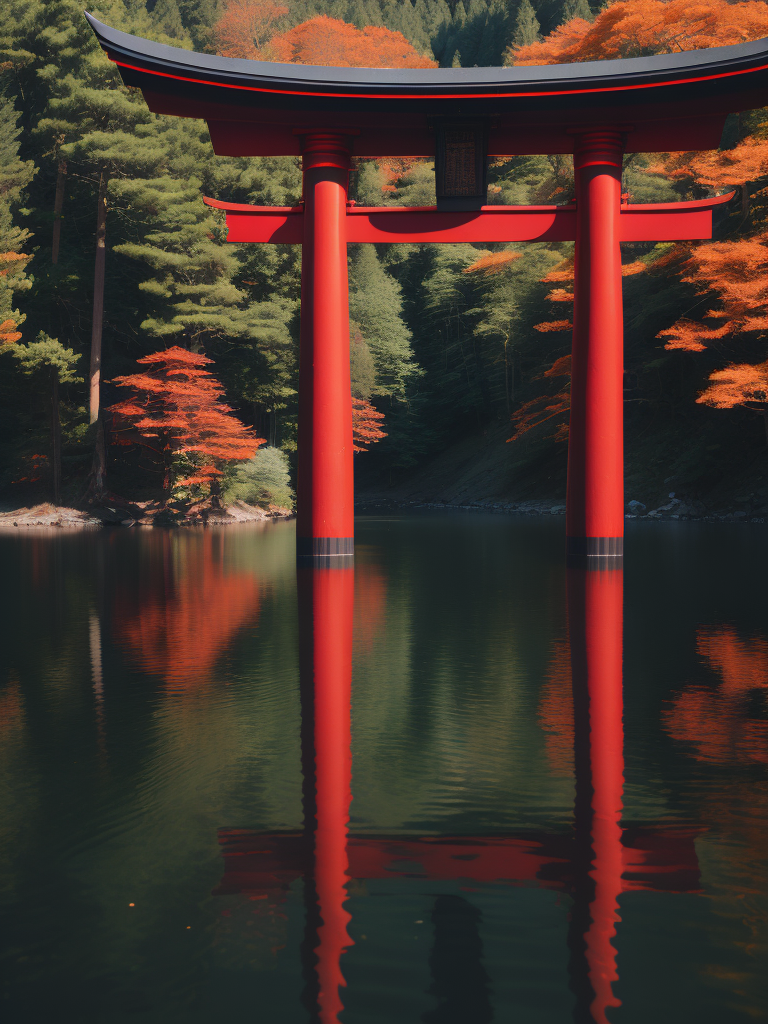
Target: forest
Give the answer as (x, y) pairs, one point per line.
(142, 355)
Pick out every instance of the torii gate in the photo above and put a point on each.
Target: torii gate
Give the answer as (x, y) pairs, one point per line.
(597, 111)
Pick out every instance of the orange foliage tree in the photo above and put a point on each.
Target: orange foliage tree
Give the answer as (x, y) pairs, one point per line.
(547, 407)
(734, 271)
(742, 384)
(366, 424)
(175, 410)
(492, 262)
(328, 41)
(737, 272)
(246, 27)
(638, 28)
(714, 722)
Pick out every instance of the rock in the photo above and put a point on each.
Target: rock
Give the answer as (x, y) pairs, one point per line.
(635, 506)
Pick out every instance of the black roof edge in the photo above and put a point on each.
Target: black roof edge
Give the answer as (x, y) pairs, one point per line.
(659, 69)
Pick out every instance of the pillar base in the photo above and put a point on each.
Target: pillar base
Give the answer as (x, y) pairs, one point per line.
(595, 552)
(326, 552)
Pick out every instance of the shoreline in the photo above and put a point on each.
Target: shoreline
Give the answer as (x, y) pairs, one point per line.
(147, 516)
(674, 510)
(48, 516)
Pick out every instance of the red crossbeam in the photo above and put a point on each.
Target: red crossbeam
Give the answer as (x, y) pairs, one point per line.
(651, 222)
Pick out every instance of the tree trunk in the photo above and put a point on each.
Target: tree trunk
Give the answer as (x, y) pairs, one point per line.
(215, 494)
(98, 298)
(99, 470)
(99, 458)
(744, 201)
(167, 463)
(57, 208)
(55, 440)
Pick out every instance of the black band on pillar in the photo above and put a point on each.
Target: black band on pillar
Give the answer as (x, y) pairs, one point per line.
(595, 552)
(325, 551)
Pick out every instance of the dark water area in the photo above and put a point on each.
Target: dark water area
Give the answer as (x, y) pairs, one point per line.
(557, 779)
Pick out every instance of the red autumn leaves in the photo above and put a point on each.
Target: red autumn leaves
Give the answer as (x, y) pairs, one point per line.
(175, 408)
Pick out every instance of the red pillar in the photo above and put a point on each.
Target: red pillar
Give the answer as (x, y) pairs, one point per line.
(595, 494)
(325, 520)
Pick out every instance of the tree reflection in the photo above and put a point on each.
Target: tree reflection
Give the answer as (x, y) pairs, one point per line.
(725, 724)
(177, 623)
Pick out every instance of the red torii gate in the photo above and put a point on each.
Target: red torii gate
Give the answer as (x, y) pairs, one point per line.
(596, 111)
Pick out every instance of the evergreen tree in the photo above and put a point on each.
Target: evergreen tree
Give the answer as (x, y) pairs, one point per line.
(527, 26)
(49, 362)
(575, 9)
(15, 176)
(375, 306)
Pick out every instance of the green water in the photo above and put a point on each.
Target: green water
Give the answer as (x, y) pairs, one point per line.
(149, 698)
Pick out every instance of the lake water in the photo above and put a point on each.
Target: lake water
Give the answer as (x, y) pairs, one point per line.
(531, 837)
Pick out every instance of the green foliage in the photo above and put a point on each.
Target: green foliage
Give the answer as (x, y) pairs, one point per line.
(263, 480)
(577, 9)
(47, 356)
(15, 176)
(526, 25)
(375, 306)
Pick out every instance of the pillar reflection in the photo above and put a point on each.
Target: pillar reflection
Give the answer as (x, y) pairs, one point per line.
(595, 620)
(326, 601)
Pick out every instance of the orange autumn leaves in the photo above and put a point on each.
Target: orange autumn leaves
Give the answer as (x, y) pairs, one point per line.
(733, 271)
(737, 273)
(248, 29)
(328, 41)
(175, 408)
(638, 28)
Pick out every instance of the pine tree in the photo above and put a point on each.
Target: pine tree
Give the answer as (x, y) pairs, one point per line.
(375, 306)
(576, 9)
(15, 176)
(47, 360)
(526, 31)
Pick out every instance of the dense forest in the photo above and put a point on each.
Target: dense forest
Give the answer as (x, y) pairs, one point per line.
(119, 295)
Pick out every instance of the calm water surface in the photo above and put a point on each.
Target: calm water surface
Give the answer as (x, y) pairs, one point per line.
(557, 780)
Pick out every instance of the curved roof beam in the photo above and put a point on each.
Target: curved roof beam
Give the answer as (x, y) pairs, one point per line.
(531, 109)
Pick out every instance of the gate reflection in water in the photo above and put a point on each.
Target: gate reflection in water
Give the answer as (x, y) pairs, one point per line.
(594, 863)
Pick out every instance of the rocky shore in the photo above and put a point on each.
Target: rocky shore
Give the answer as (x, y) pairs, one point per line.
(114, 511)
